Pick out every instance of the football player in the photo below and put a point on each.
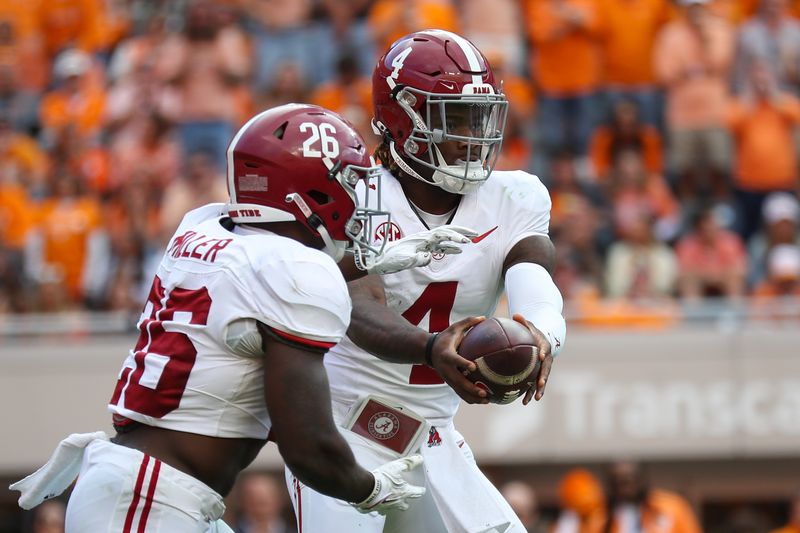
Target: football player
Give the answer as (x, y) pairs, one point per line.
(246, 301)
(441, 115)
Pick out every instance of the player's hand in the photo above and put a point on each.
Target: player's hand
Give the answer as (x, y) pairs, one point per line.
(391, 491)
(545, 356)
(417, 250)
(451, 366)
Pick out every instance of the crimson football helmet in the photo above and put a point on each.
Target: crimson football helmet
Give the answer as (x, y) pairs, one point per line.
(300, 162)
(431, 87)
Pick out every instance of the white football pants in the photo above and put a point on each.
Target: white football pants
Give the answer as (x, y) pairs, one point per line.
(317, 513)
(122, 490)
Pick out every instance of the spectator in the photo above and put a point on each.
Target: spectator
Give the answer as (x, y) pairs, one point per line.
(78, 100)
(712, 260)
(582, 503)
(67, 23)
(579, 263)
(763, 122)
(49, 517)
(781, 220)
(137, 93)
(207, 66)
(21, 156)
(200, 185)
(638, 267)
(566, 188)
(629, 34)
(289, 86)
(516, 152)
(793, 524)
(522, 499)
(284, 33)
(634, 506)
(692, 60)
(783, 273)
(633, 189)
(71, 259)
(350, 95)
(23, 68)
(261, 501)
(150, 156)
(565, 32)
(392, 19)
(348, 33)
(16, 222)
(625, 132)
(773, 39)
(496, 29)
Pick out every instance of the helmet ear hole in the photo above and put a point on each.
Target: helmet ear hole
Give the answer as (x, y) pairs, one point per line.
(281, 130)
(319, 197)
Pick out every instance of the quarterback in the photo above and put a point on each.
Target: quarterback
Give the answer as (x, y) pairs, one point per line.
(441, 115)
(247, 299)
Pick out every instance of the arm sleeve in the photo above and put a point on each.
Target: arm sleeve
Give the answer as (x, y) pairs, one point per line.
(532, 293)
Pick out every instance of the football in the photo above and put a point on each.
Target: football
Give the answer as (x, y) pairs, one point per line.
(506, 356)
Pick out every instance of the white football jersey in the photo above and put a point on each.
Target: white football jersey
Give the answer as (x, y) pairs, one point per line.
(181, 375)
(507, 208)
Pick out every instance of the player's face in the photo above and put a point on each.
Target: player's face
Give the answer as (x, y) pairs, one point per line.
(461, 124)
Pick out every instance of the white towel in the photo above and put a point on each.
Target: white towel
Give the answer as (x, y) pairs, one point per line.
(467, 501)
(58, 473)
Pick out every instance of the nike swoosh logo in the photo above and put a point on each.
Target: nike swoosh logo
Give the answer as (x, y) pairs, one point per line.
(449, 86)
(479, 238)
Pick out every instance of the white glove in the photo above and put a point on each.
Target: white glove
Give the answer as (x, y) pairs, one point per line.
(391, 490)
(417, 250)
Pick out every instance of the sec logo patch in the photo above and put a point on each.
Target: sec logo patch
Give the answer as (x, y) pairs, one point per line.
(383, 425)
(388, 231)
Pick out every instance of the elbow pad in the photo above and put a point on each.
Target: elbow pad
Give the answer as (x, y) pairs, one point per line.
(532, 293)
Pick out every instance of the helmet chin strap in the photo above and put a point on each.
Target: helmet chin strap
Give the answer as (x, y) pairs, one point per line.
(333, 248)
(474, 175)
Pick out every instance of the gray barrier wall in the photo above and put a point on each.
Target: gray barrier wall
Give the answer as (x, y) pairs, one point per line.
(682, 393)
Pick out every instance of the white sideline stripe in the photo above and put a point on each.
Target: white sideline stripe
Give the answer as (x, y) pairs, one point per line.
(472, 59)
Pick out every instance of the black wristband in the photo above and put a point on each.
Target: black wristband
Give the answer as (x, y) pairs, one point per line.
(429, 349)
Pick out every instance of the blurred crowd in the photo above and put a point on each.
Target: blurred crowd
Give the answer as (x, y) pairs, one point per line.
(666, 131)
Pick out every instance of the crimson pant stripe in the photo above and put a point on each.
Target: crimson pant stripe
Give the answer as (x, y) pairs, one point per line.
(135, 501)
(148, 502)
(299, 507)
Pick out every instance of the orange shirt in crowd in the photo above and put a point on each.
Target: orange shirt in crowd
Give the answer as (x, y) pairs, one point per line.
(391, 19)
(602, 144)
(666, 512)
(84, 109)
(765, 153)
(566, 61)
(518, 90)
(695, 75)
(26, 156)
(24, 49)
(629, 33)
(337, 97)
(16, 216)
(66, 225)
(70, 22)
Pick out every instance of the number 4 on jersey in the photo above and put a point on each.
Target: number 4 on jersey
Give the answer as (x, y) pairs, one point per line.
(437, 299)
